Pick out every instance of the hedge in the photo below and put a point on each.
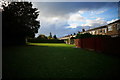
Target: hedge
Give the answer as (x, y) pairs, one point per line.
(88, 35)
(45, 41)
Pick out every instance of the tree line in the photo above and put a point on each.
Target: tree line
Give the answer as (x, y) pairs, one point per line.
(45, 39)
(42, 36)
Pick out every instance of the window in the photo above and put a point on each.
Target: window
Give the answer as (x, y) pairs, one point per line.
(93, 32)
(118, 26)
(110, 28)
(105, 30)
(100, 31)
(96, 31)
(90, 32)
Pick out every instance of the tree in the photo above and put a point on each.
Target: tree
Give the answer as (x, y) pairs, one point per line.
(41, 36)
(78, 32)
(74, 33)
(50, 36)
(83, 30)
(55, 37)
(19, 22)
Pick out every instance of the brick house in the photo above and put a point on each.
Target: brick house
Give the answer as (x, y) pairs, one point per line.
(112, 29)
(98, 31)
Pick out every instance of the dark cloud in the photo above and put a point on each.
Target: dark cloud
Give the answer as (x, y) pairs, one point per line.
(62, 8)
(62, 11)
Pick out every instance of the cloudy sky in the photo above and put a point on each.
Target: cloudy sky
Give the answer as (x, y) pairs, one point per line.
(64, 18)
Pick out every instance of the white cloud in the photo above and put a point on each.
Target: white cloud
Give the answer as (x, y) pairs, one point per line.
(98, 19)
(67, 19)
(55, 19)
(50, 20)
(75, 19)
(53, 24)
(94, 23)
(72, 26)
(113, 20)
(81, 11)
(98, 12)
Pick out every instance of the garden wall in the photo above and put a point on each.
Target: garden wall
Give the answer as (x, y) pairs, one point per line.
(107, 45)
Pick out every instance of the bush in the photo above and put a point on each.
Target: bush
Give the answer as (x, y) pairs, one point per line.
(36, 40)
(88, 35)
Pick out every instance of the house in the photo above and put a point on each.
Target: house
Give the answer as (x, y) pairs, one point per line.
(112, 29)
(69, 39)
(98, 31)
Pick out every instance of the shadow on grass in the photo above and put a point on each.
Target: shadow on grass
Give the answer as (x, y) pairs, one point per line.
(50, 61)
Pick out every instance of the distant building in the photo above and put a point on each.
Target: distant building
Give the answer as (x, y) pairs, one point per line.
(69, 39)
(112, 29)
(98, 31)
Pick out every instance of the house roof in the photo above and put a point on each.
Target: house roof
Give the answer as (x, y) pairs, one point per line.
(115, 22)
(93, 29)
(97, 28)
(104, 26)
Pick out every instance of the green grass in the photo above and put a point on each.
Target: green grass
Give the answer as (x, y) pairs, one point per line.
(51, 44)
(57, 61)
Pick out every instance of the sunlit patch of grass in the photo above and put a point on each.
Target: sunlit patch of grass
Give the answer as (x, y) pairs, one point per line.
(52, 44)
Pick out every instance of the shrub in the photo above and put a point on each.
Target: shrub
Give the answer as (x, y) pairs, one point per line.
(88, 35)
(36, 40)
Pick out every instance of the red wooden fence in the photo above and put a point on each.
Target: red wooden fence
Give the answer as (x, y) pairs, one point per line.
(107, 45)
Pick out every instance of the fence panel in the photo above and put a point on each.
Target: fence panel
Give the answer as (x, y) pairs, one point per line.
(107, 45)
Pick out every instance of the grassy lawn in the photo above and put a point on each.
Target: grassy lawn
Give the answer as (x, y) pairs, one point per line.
(47, 60)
